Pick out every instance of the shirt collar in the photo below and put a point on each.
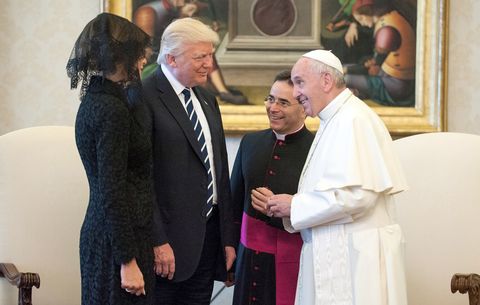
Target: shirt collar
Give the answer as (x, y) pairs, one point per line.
(282, 137)
(334, 105)
(176, 85)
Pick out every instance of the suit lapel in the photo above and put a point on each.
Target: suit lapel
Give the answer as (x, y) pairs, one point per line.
(169, 98)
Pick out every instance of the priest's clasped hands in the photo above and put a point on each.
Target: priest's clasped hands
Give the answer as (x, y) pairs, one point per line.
(267, 203)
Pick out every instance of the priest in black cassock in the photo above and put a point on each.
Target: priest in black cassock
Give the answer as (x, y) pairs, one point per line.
(268, 256)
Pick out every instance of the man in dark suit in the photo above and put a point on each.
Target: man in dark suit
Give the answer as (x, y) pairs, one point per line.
(194, 231)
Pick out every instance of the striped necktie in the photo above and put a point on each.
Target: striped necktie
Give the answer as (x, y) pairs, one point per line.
(197, 127)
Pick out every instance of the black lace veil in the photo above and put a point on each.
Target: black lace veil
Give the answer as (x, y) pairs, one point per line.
(106, 41)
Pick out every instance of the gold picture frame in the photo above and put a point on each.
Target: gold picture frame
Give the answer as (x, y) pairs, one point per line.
(429, 112)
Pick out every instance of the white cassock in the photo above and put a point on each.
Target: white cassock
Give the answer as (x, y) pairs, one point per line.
(353, 253)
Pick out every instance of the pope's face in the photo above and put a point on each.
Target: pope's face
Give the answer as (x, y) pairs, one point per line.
(286, 115)
(191, 68)
(307, 88)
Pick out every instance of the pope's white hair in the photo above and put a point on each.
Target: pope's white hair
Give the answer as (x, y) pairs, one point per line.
(319, 67)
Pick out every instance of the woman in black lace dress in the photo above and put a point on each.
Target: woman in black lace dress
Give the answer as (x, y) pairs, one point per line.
(116, 252)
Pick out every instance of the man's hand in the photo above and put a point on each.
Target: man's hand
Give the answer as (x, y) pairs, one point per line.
(259, 198)
(279, 205)
(230, 279)
(230, 257)
(164, 261)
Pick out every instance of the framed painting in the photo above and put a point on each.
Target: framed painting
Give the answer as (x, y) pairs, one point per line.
(259, 38)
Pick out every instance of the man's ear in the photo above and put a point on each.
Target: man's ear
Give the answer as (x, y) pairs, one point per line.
(170, 59)
(327, 81)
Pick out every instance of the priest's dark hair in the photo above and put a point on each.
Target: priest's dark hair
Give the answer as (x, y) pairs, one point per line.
(284, 76)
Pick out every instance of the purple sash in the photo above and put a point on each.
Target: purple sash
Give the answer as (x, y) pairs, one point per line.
(257, 235)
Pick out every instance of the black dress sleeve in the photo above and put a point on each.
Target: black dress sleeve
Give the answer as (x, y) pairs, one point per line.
(112, 127)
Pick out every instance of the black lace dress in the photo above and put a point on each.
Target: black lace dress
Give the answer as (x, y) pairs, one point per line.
(116, 155)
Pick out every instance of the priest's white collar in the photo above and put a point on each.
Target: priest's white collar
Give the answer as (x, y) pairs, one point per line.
(282, 136)
(334, 105)
(176, 85)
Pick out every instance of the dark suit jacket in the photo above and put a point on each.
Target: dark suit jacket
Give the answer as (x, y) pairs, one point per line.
(180, 178)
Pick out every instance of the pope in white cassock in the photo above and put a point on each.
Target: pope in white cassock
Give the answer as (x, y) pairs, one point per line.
(353, 251)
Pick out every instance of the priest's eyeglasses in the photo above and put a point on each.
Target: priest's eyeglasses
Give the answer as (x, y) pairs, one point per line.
(270, 100)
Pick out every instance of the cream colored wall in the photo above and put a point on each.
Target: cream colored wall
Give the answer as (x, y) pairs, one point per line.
(35, 41)
(37, 36)
(464, 66)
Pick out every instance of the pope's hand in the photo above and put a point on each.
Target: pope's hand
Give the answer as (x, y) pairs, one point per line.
(279, 205)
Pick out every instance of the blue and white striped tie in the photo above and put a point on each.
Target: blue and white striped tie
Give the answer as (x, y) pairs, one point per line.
(197, 127)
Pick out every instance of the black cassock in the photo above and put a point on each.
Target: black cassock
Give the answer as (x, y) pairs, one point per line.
(262, 160)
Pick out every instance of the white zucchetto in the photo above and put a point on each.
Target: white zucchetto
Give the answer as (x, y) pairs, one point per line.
(326, 57)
